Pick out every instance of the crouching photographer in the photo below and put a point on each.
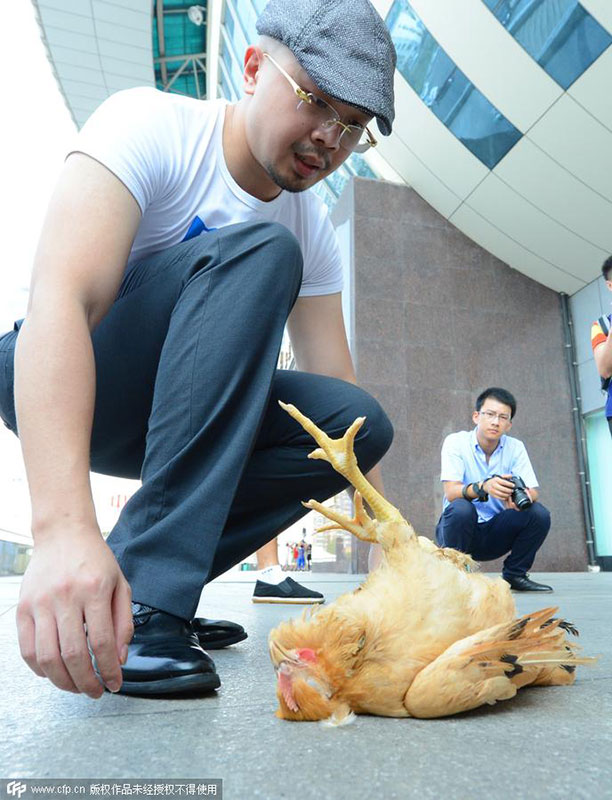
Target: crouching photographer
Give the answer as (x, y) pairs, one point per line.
(490, 497)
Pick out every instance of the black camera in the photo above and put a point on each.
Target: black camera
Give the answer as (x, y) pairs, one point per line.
(519, 496)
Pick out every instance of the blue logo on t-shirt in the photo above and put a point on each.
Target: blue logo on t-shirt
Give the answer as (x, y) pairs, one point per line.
(196, 228)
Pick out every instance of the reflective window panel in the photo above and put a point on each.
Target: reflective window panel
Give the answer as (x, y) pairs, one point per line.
(559, 34)
(232, 67)
(444, 89)
(235, 32)
(599, 453)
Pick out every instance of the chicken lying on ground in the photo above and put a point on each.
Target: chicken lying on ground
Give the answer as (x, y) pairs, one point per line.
(425, 636)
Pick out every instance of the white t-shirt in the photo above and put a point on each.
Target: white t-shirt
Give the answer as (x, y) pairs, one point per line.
(167, 150)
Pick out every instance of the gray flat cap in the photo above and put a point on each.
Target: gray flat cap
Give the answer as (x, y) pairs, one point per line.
(343, 45)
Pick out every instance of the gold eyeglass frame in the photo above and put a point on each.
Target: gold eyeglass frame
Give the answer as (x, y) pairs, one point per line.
(305, 97)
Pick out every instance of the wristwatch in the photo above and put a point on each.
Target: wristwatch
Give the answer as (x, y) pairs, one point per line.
(481, 495)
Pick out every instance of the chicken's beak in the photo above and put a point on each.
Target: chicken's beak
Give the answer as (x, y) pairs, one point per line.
(278, 654)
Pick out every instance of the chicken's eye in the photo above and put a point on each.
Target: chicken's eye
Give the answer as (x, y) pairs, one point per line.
(307, 654)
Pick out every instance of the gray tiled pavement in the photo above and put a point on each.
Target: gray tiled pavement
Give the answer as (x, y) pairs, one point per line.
(546, 743)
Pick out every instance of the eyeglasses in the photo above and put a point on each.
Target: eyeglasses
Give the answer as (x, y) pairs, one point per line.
(354, 138)
(491, 415)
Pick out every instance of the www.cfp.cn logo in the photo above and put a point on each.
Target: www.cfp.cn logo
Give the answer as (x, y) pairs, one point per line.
(15, 789)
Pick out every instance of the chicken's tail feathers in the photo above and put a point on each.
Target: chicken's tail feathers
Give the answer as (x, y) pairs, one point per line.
(542, 622)
(566, 660)
(532, 641)
(493, 664)
(535, 666)
(528, 625)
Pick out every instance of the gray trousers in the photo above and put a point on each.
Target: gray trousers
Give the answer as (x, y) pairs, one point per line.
(186, 400)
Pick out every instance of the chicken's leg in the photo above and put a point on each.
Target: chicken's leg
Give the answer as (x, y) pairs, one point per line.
(341, 455)
(362, 526)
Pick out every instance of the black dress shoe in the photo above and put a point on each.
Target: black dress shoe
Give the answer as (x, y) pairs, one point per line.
(165, 657)
(213, 634)
(523, 583)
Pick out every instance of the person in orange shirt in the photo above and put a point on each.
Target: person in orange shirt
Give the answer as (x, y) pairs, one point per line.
(601, 342)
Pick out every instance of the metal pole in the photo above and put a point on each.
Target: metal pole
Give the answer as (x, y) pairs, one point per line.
(161, 39)
(583, 467)
(180, 57)
(195, 77)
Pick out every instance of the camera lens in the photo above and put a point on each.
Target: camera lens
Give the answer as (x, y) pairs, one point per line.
(519, 496)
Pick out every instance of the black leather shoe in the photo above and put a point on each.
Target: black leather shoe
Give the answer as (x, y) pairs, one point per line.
(165, 657)
(213, 634)
(523, 583)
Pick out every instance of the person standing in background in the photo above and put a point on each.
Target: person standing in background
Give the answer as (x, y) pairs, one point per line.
(601, 342)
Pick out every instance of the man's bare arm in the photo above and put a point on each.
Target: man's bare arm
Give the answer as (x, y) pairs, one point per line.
(318, 336)
(73, 577)
(453, 490)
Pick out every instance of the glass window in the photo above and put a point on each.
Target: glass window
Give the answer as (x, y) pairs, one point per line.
(337, 181)
(233, 73)
(228, 21)
(182, 38)
(356, 165)
(247, 15)
(326, 194)
(227, 90)
(599, 453)
(559, 34)
(444, 89)
(235, 32)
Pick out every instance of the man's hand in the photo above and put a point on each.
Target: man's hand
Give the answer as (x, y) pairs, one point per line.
(72, 581)
(531, 493)
(501, 488)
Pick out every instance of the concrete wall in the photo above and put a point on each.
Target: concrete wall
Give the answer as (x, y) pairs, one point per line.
(436, 320)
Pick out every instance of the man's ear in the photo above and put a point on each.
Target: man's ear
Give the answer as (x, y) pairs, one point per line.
(253, 61)
(475, 417)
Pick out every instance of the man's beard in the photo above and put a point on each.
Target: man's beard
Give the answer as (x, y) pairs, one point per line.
(297, 185)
